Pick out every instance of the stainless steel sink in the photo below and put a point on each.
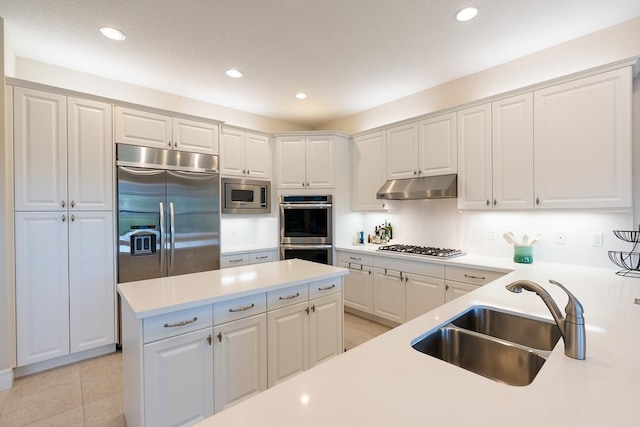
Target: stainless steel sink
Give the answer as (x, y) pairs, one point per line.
(504, 347)
(535, 333)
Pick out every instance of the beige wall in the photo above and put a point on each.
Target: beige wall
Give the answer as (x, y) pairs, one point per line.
(600, 48)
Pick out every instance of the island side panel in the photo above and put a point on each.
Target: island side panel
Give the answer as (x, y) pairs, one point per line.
(132, 368)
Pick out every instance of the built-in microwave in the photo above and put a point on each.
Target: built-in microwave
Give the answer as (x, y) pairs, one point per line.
(245, 196)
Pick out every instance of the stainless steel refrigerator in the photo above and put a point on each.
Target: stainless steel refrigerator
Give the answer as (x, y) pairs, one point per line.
(168, 212)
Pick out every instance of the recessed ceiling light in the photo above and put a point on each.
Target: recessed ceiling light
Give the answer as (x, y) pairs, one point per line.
(466, 14)
(236, 74)
(301, 95)
(113, 33)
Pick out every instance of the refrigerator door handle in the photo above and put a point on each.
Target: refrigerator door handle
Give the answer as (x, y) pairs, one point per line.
(162, 235)
(172, 230)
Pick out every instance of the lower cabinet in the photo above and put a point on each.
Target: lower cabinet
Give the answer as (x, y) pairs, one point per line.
(454, 290)
(358, 286)
(389, 294)
(239, 360)
(423, 293)
(178, 374)
(462, 280)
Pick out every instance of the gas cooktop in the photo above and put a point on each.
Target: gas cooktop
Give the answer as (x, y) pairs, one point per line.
(423, 250)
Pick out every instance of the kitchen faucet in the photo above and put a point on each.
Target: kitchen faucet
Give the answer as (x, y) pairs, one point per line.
(571, 326)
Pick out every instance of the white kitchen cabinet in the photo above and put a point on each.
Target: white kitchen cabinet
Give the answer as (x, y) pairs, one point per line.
(495, 165)
(462, 280)
(138, 127)
(457, 289)
(402, 151)
(369, 168)
(438, 150)
(389, 294)
(423, 148)
(288, 342)
(178, 388)
(245, 154)
(325, 328)
(63, 152)
(582, 154)
(42, 286)
(423, 294)
(358, 284)
(246, 258)
(239, 360)
(305, 161)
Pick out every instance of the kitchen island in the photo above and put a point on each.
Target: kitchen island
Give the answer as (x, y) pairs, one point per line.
(196, 344)
(386, 382)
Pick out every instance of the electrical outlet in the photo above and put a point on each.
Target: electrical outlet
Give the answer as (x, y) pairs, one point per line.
(561, 239)
(596, 239)
(492, 235)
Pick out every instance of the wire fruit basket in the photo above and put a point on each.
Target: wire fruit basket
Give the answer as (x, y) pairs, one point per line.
(628, 261)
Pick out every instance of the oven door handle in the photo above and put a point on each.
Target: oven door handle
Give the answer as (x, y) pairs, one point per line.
(303, 206)
(288, 246)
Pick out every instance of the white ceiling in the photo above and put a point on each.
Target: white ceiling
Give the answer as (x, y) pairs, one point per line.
(348, 55)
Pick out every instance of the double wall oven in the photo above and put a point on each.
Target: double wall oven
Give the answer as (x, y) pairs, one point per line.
(306, 228)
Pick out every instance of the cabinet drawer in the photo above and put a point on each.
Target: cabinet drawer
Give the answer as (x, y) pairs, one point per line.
(288, 296)
(473, 276)
(176, 323)
(239, 308)
(259, 257)
(234, 260)
(350, 257)
(325, 287)
(406, 266)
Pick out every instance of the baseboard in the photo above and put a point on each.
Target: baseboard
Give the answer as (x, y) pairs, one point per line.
(21, 371)
(6, 379)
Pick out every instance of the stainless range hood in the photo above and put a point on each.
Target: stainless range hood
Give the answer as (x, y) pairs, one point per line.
(426, 187)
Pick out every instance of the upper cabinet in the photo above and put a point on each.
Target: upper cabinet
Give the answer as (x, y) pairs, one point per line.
(245, 154)
(63, 152)
(423, 148)
(582, 150)
(306, 161)
(369, 171)
(139, 127)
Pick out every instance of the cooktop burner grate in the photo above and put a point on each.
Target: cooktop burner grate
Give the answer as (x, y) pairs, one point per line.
(423, 250)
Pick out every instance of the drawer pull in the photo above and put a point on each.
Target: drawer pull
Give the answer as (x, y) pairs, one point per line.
(245, 308)
(289, 297)
(327, 288)
(236, 260)
(183, 323)
(471, 276)
(355, 259)
(262, 257)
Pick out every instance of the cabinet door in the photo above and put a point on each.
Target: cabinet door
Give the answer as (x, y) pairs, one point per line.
(91, 280)
(42, 291)
(291, 162)
(90, 154)
(512, 123)
(232, 153)
(325, 328)
(454, 290)
(178, 373)
(319, 162)
(258, 156)
(240, 360)
(424, 293)
(474, 158)
(142, 128)
(402, 151)
(369, 171)
(197, 137)
(389, 294)
(437, 145)
(582, 150)
(288, 342)
(40, 150)
(358, 287)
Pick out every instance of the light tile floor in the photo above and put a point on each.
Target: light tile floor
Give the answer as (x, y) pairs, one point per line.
(89, 393)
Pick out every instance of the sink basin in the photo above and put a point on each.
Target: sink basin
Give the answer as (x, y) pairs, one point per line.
(502, 346)
(490, 358)
(535, 333)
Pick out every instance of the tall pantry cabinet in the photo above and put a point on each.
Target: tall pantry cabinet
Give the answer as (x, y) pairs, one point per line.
(65, 281)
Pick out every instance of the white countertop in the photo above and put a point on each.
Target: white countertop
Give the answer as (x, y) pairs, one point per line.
(385, 382)
(163, 295)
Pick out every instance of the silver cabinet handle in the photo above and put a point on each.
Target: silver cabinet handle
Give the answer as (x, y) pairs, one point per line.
(327, 288)
(289, 297)
(163, 235)
(313, 308)
(73, 204)
(470, 276)
(182, 323)
(236, 260)
(245, 308)
(355, 259)
(219, 336)
(537, 200)
(209, 339)
(64, 218)
(303, 184)
(306, 310)
(495, 202)
(172, 230)
(169, 144)
(63, 203)
(488, 202)
(262, 257)
(73, 218)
